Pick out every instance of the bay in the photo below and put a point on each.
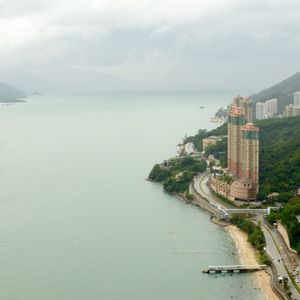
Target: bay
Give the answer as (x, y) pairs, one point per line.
(78, 220)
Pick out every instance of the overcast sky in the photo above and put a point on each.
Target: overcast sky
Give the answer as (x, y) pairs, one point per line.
(149, 44)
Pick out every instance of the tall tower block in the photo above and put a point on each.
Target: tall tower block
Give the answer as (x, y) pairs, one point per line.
(246, 106)
(236, 120)
(250, 152)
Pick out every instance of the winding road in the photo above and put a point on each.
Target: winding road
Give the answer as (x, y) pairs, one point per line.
(273, 248)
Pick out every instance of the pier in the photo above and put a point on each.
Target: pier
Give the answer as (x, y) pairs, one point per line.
(233, 269)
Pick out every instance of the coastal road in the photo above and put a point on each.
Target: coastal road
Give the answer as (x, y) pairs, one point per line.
(274, 252)
(200, 185)
(272, 246)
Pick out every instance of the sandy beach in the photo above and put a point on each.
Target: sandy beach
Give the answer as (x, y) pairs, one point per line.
(248, 256)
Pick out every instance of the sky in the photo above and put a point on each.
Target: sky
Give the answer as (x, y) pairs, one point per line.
(153, 45)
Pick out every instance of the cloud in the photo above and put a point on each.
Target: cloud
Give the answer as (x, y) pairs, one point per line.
(161, 31)
(152, 43)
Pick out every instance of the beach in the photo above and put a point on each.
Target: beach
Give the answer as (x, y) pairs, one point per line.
(248, 256)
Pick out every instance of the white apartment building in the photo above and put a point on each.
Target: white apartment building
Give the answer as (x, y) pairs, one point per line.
(266, 110)
(297, 98)
(292, 110)
(259, 110)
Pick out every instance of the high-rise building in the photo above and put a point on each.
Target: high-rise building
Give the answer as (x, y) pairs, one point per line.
(243, 154)
(266, 110)
(246, 105)
(259, 111)
(236, 120)
(297, 98)
(243, 151)
(239, 115)
(272, 107)
(250, 152)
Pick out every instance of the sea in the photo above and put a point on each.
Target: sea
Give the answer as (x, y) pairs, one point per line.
(78, 220)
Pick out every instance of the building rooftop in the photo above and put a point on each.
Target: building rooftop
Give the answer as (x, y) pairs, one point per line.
(250, 127)
(235, 111)
(273, 195)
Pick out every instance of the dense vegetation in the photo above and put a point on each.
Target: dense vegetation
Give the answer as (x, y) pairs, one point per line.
(279, 155)
(287, 216)
(177, 173)
(202, 134)
(219, 151)
(255, 236)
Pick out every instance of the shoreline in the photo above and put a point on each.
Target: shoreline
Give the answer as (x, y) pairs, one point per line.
(245, 251)
(248, 256)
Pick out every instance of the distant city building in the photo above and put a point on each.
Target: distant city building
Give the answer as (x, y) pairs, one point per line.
(296, 110)
(243, 153)
(292, 110)
(211, 140)
(260, 110)
(267, 109)
(297, 98)
(272, 107)
(288, 111)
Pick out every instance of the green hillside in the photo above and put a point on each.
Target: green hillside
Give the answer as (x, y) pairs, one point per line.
(288, 217)
(279, 153)
(286, 87)
(202, 134)
(282, 91)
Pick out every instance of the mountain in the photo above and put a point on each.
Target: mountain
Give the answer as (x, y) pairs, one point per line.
(66, 80)
(282, 91)
(10, 94)
(279, 154)
(286, 87)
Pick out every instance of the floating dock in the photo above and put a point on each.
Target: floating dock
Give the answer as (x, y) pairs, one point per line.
(233, 269)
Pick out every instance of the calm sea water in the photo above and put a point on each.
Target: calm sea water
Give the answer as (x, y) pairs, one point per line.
(79, 221)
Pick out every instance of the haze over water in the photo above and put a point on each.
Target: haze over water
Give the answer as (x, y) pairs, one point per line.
(79, 221)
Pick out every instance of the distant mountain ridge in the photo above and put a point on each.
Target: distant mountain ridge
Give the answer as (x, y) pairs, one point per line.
(282, 91)
(10, 94)
(286, 87)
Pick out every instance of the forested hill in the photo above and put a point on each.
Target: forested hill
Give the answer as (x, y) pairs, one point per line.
(10, 94)
(282, 91)
(286, 87)
(279, 153)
